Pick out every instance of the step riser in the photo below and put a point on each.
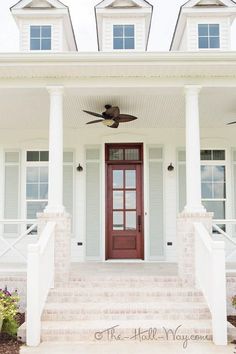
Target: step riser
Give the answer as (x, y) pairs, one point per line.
(138, 284)
(125, 316)
(112, 299)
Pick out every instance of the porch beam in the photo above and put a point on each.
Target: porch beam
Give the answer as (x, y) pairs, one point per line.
(193, 166)
(55, 188)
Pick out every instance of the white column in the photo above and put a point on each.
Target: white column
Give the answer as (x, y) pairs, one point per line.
(193, 166)
(55, 189)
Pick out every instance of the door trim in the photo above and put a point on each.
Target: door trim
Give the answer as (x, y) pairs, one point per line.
(124, 162)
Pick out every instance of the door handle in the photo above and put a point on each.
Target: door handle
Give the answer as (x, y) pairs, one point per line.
(139, 223)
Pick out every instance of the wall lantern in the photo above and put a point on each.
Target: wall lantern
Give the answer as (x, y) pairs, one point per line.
(79, 168)
(170, 167)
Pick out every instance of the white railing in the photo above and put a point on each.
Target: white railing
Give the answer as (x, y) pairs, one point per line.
(231, 250)
(10, 245)
(211, 279)
(40, 278)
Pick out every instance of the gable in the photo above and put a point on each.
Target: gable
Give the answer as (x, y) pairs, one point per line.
(209, 3)
(118, 4)
(123, 4)
(38, 4)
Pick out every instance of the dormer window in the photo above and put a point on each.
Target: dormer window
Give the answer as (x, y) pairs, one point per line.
(208, 36)
(40, 37)
(123, 37)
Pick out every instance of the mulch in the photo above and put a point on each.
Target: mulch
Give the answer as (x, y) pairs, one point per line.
(9, 344)
(232, 320)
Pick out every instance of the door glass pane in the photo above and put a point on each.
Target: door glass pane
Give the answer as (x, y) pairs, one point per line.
(218, 155)
(35, 207)
(130, 200)
(118, 200)
(116, 154)
(130, 220)
(118, 220)
(132, 154)
(130, 179)
(118, 180)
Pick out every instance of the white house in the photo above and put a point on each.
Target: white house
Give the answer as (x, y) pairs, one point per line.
(101, 195)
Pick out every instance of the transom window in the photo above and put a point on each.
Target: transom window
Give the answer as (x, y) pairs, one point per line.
(123, 37)
(129, 153)
(40, 37)
(213, 177)
(208, 36)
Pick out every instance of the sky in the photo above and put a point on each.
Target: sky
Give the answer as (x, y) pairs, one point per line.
(82, 12)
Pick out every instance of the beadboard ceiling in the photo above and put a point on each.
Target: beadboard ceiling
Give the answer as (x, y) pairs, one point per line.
(161, 108)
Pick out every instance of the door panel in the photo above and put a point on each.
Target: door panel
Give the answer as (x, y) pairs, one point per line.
(124, 212)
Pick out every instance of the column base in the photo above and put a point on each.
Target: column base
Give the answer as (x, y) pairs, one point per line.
(186, 244)
(55, 209)
(195, 209)
(62, 241)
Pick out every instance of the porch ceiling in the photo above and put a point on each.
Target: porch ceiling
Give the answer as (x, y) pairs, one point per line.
(157, 108)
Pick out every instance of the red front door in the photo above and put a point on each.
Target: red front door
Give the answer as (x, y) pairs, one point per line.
(124, 211)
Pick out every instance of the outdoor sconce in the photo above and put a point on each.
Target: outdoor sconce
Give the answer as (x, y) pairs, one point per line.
(170, 167)
(79, 168)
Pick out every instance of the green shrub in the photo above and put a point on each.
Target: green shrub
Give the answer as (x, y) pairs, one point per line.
(8, 310)
(234, 301)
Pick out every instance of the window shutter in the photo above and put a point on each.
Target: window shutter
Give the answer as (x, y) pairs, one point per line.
(93, 207)
(12, 190)
(156, 229)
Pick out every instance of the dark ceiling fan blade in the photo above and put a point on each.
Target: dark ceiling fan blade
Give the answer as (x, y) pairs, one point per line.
(231, 123)
(124, 118)
(94, 114)
(114, 125)
(95, 121)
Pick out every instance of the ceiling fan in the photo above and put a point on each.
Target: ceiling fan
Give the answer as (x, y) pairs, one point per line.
(231, 123)
(111, 117)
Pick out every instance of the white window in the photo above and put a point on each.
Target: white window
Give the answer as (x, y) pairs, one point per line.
(123, 37)
(40, 37)
(208, 36)
(213, 174)
(36, 182)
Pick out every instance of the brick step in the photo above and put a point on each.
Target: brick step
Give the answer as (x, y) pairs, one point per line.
(127, 283)
(121, 311)
(128, 295)
(84, 331)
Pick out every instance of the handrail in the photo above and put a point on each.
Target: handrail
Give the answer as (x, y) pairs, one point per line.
(222, 232)
(16, 221)
(211, 279)
(40, 278)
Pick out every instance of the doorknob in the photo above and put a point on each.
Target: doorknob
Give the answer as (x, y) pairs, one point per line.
(139, 223)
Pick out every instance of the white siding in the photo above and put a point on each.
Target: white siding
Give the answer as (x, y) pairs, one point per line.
(57, 40)
(192, 32)
(107, 35)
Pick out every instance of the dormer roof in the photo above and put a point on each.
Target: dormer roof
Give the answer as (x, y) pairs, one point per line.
(46, 9)
(200, 8)
(121, 4)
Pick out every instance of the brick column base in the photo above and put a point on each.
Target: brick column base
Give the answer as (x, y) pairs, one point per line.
(62, 242)
(186, 244)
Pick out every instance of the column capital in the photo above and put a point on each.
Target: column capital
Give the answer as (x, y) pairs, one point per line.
(192, 89)
(55, 90)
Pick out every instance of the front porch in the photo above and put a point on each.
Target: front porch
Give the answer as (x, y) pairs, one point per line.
(182, 120)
